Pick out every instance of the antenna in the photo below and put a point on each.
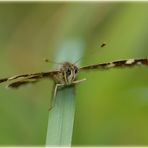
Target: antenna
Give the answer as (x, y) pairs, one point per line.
(101, 46)
(50, 61)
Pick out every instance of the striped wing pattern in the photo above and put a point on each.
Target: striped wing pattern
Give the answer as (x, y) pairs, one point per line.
(117, 64)
(35, 77)
(27, 78)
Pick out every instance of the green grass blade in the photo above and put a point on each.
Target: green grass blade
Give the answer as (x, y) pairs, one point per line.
(61, 117)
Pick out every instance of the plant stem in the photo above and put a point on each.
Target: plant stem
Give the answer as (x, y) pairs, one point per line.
(61, 118)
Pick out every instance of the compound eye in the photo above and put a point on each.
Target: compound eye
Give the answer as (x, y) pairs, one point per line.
(68, 72)
(76, 70)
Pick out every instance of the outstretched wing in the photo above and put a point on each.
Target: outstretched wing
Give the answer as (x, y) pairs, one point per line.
(28, 78)
(120, 63)
(22, 83)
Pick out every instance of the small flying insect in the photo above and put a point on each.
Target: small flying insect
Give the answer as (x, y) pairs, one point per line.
(66, 75)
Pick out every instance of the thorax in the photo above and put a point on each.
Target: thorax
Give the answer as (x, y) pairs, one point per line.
(67, 74)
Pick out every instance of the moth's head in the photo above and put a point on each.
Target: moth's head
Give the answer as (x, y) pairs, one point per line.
(69, 72)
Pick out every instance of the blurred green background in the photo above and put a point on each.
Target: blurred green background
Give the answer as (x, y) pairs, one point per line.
(111, 106)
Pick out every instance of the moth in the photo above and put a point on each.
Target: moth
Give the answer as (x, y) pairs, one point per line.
(66, 75)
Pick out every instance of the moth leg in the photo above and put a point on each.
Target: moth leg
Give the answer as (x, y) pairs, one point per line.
(54, 95)
(78, 81)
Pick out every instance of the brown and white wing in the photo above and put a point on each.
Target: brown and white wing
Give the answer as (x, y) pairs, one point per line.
(117, 64)
(27, 78)
(22, 83)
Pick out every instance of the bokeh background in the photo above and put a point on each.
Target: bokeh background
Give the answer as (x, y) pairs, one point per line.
(111, 106)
